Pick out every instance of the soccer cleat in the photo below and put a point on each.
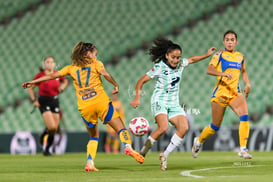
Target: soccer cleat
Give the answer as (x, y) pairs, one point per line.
(90, 166)
(47, 153)
(129, 151)
(163, 162)
(195, 147)
(146, 148)
(244, 154)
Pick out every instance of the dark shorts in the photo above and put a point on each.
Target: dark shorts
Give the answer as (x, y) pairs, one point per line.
(49, 104)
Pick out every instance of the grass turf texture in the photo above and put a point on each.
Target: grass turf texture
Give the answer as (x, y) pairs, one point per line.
(70, 167)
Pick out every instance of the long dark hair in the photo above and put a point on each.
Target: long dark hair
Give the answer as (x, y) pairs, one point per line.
(79, 53)
(160, 48)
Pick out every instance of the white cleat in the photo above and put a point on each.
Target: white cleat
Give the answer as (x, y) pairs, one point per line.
(196, 147)
(244, 154)
(163, 162)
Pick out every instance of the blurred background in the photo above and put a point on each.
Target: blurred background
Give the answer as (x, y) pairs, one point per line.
(123, 30)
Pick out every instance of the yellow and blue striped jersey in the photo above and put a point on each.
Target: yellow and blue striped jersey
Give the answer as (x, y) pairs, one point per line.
(228, 62)
(87, 82)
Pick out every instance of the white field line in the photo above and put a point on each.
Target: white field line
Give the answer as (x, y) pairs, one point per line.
(188, 173)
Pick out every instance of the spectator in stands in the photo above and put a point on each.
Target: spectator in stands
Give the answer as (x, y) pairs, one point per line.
(165, 105)
(48, 101)
(227, 67)
(93, 102)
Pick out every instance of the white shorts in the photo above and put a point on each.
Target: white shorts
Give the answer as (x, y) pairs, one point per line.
(170, 110)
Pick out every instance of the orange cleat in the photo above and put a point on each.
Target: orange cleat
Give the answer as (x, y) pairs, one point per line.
(139, 158)
(89, 167)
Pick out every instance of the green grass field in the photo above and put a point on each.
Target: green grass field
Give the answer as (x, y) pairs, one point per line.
(208, 167)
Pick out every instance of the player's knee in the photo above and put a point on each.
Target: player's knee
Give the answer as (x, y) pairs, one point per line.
(52, 129)
(163, 129)
(185, 128)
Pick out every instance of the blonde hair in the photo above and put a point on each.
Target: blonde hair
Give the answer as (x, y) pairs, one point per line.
(79, 51)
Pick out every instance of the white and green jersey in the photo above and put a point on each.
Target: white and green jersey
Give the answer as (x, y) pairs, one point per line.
(167, 82)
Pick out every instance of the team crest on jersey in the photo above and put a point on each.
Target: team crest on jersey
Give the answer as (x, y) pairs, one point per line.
(166, 72)
(158, 107)
(223, 101)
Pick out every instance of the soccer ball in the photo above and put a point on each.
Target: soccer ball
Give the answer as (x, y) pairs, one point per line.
(139, 126)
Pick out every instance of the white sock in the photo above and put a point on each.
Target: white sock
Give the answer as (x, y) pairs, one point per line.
(243, 149)
(152, 140)
(175, 142)
(127, 145)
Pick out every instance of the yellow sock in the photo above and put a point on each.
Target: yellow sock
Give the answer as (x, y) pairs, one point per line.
(92, 148)
(207, 132)
(243, 133)
(115, 145)
(108, 140)
(125, 137)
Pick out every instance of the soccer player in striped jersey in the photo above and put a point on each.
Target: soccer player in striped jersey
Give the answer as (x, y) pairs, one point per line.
(227, 67)
(93, 102)
(165, 105)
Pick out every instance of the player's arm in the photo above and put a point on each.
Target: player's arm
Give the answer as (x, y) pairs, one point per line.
(246, 80)
(110, 79)
(140, 82)
(32, 96)
(63, 85)
(195, 59)
(41, 79)
(212, 71)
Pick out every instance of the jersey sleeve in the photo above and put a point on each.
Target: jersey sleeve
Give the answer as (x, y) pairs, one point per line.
(214, 60)
(65, 71)
(184, 62)
(243, 64)
(99, 66)
(155, 71)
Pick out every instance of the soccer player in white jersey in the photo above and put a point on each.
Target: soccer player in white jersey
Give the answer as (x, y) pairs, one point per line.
(165, 105)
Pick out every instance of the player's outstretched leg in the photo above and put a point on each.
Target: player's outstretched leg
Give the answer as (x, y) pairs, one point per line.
(147, 146)
(131, 152)
(126, 140)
